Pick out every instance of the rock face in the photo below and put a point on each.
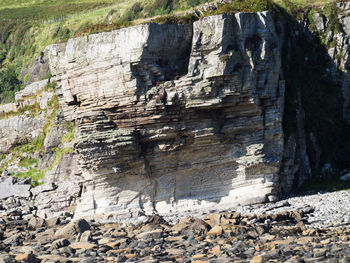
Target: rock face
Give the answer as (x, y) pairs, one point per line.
(22, 128)
(19, 130)
(174, 117)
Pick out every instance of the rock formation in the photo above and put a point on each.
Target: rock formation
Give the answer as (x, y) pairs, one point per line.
(174, 117)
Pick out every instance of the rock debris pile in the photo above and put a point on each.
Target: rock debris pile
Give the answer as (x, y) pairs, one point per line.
(271, 236)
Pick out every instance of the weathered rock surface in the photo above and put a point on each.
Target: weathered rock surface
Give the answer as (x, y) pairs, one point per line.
(19, 130)
(153, 138)
(61, 189)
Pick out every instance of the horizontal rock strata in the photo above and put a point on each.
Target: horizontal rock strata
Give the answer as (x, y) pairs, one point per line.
(174, 117)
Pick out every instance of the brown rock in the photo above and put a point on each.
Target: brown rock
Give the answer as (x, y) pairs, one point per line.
(51, 222)
(60, 243)
(257, 259)
(27, 257)
(216, 230)
(213, 219)
(122, 250)
(235, 215)
(267, 237)
(191, 225)
(128, 256)
(215, 250)
(22, 257)
(301, 225)
(155, 234)
(175, 238)
(82, 245)
(71, 230)
(305, 240)
(116, 243)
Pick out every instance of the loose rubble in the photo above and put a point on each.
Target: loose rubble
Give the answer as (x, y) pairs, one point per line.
(285, 231)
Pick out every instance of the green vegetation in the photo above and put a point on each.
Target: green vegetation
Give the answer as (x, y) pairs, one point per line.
(172, 19)
(225, 58)
(37, 175)
(50, 86)
(9, 84)
(27, 163)
(27, 27)
(332, 12)
(36, 146)
(70, 130)
(33, 111)
(47, 76)
(244, 6)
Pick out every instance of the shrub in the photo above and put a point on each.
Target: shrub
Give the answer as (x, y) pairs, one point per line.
(133, 13)
(5, 30)
(162, 7)
(9, 84)
(193, 3)
(332, 11)
(224, 58)
(26, 78)
(3, 54)
(91, 29)
(243, 6)
(172, 19)
(47, 76)
(62, 33)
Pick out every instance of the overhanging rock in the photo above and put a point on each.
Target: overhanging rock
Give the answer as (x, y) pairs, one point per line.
(174, 117)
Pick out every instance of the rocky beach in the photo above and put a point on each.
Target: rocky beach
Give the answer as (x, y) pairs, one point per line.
(311, 228)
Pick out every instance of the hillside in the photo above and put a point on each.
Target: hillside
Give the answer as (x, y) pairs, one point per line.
(27, 27)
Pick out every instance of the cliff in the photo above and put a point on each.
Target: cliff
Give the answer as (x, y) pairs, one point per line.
(173, 118)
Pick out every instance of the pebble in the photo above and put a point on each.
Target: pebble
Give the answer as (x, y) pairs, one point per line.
(297, 229)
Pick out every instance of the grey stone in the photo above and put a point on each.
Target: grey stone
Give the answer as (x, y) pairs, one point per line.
(7, 191)
(36, 222)
(60, 243)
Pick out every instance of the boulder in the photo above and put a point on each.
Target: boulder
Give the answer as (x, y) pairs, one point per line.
(72, 229)
(9, 187)
(36, 222)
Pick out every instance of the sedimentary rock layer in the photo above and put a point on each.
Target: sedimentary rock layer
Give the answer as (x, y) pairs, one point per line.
(174, 117)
